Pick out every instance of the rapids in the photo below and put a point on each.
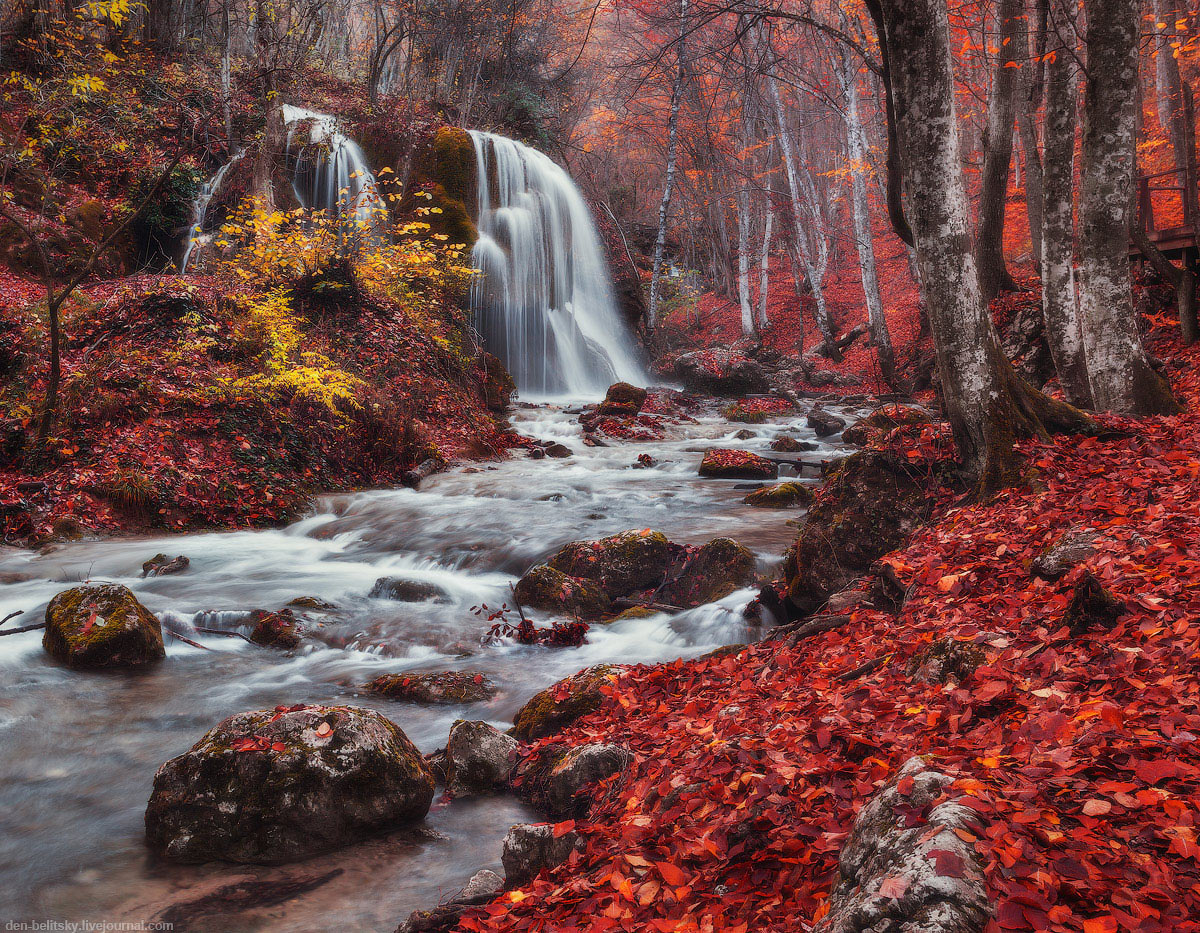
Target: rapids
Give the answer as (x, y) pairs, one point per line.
(79, 750)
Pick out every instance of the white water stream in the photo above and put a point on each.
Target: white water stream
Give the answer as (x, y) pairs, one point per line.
(79, 750)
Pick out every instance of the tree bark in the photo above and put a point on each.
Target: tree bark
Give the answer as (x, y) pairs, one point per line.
(1059, 310)
(987, 404)
(764, 266)
(1119, 371)
(664, 206)
(1033, 82)
(857, 147)
(994, 276)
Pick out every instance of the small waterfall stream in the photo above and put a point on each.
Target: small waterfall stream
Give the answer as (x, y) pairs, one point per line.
(544, 303)
(332, 173)
(200, 208)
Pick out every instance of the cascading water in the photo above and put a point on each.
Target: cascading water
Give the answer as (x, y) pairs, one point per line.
(544, 302)
(331, 171)
(200, 208)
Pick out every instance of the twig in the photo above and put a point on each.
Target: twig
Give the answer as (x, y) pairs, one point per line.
(24, 628)
(186, 640)
(873, 665)
(219, 631)
(811, 627)
(516, 602)
(12, 615)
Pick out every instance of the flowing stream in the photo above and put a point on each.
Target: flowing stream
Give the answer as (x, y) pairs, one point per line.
(79, 750)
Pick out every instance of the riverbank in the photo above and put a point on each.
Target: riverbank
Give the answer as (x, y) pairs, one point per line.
(1069, 728)
(177, 415)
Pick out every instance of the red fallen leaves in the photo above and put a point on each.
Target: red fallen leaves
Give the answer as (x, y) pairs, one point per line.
(1081, 754)
(256, 743)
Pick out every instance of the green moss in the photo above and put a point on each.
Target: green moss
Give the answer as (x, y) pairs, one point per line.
(739, 412)
(101, 626)
(451, 217)
(454, 163)
(558, 706)
(780, 496)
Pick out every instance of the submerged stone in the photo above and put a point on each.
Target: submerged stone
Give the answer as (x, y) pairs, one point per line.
(444, 687)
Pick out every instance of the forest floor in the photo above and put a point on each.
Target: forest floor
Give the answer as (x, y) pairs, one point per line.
(1080, 750)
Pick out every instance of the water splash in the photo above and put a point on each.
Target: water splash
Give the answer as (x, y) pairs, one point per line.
(544, 303)
(200, 208)
(331, 173)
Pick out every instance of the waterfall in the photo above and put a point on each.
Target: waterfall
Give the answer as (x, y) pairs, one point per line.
(200, 208)
(544, 302)
(331, 171)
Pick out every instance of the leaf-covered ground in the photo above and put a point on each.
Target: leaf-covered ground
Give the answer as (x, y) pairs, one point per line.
(1081, 752)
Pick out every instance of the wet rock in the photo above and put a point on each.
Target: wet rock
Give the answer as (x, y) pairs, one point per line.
(904, 868)
(101, 626)
(529, 848)
(479, 758)
(740, 411)
(721, 372)
(483, 886)
(736, 464)
(536, 453)
(824, 423)
(744, 434)
(947, 660)
(623, 399)
(883, 421)
(559, 705)
(789, 445)
(561, 783)
(544, 587)
(275, 629)
(162, 564)
(712, 572)
(314, 603)
(407, 591)
(498, 386)
(644, 462)
(780, 496)
(558, 451)
(1056, 561)
(275, 786)
(620, 564)
(442, 688)
(870, 503)
(1091, 605)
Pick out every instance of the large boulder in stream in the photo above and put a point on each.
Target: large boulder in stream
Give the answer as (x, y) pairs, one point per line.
(721, 372)
(479, 758)
(790, 495)
(278, 785)
(446, 688)
(101, 626)
(712, 572)
(561, 704)
(530, 848)
(621, 564)
(869, 505)
(543, 587)
(623, 400)
(737, 464)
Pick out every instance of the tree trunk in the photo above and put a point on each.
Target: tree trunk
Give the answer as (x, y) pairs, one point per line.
(857, 147)
(1033, 83)
(1059, 310)
(987, 405)
(743, 257)
(994, 276)
(664, 206)
(1119, 371)
(764, 266)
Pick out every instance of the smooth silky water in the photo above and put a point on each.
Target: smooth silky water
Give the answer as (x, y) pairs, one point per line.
(78, 751)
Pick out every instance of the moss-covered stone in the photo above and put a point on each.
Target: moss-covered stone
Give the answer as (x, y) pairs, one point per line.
(785, 443)
(883, 421)
(636, 612)
(454, 163)
(622, 564)
(451, 217)
(780, 496)
(711, 573)
(278, 785)
(559, 705)
(498, 384)
(623, 399)
(444, 687)
(739, 411)
(101, 626)
(544, 587)
(275, 629)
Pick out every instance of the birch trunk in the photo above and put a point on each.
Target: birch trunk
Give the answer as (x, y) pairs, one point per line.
(1119, 371)
(987, 405)
(764, 267)
(1059, 311)
(664, 206)
(994, 276)
(1033, 84)
(857, 148)
(812, 265)
(743, 256)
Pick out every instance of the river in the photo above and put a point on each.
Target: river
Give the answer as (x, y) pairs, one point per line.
(78, 751)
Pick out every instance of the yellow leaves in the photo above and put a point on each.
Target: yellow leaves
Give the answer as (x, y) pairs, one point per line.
(85, 85)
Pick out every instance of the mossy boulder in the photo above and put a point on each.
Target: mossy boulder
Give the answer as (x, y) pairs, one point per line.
(883, 421)
(559, 705)
(736, 464)
(623, 399)
(498, 384)
(559, 780)
(544, 587)
(274, 786)
(454, 163)
(740, 411)
(275, 629)
(621, 564)
(479, 758)
(869, 504)
(450, 217)
(785, 443)
(101, 626)
(780, 496)
(712, 572)
(441, 688)
(405, 590)
(824, 423)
